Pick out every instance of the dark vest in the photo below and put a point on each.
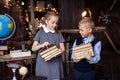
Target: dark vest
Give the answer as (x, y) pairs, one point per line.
(83, 65)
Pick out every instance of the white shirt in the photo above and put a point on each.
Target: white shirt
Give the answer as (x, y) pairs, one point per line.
(45, 28)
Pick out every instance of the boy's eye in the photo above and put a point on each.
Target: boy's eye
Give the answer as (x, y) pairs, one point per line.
(81, 30)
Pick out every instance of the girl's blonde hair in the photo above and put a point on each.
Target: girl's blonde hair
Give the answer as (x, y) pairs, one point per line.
(47, 17)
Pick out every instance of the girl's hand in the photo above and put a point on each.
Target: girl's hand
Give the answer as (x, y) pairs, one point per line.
(60, 50)
(45, 44)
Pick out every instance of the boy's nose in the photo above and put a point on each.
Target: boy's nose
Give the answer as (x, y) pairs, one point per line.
(80, 32)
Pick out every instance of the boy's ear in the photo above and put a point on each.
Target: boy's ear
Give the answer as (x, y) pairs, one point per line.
(90, 29)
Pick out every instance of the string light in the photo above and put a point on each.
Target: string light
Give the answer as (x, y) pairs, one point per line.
(22, 3)
(86, 13)
(18, 4)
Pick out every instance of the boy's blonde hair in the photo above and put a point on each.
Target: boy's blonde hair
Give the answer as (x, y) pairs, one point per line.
(87, 22)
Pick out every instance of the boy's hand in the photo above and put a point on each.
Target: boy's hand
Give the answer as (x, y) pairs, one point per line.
(88, 55)
(75, 59)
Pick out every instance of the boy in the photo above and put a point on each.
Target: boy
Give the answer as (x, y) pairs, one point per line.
(84, 68)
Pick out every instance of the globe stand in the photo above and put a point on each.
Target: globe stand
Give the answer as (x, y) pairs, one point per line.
(7, 29)
(14, 74)
(23, 77)
(14, 66)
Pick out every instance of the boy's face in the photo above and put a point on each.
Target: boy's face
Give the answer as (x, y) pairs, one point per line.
(85, 31)
(52, 22)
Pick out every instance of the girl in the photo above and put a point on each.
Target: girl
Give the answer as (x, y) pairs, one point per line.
(46, 36)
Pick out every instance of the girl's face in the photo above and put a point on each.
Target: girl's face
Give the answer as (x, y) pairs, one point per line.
(52, 22)
(85, 31)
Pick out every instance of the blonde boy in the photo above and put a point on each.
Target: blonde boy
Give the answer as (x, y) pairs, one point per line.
(84, 68)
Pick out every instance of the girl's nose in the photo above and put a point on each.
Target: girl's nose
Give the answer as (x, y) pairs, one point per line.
(55, 25)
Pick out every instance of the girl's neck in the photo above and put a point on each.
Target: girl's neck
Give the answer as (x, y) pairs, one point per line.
(49, 28)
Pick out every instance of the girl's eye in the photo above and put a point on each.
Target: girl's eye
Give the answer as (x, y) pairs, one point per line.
(53, 22)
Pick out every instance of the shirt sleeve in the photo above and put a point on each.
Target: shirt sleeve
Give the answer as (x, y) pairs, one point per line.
(37, 36)
(74, 44)
(61, 39)
(97, 50)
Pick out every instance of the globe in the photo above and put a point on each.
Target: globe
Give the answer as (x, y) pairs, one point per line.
(7, 26)
(23, 70)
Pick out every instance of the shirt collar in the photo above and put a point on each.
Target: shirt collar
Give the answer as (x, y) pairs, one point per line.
(87, 40)
(45, 29)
